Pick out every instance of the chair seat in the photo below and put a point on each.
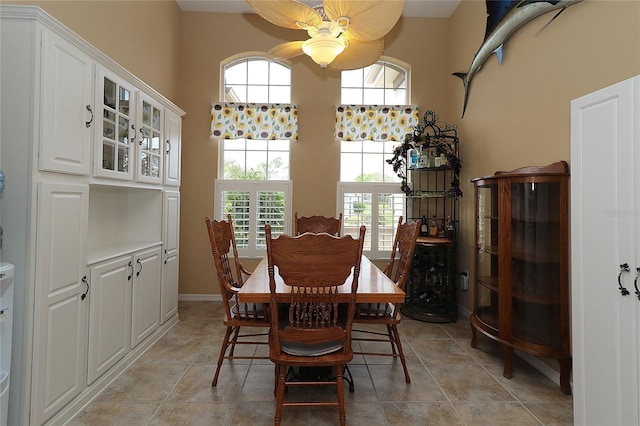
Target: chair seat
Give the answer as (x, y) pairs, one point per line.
(304, 349)
(252, 310)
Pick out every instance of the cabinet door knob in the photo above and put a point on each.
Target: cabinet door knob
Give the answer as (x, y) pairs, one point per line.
(131, 274)
(133, 138)
(139, 270)
(88, 123)
(635, 282)
(168, 146)
(623, 268)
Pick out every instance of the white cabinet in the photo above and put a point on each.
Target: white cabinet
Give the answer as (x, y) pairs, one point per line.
(170, 238)
(60, 345)
(71, 218)
(129, 140)
(67, 107)
(145, 301)
(605, 241)
(173, 148)
(109, 314)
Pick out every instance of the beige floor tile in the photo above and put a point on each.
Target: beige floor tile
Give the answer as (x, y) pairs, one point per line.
(451, 383)
(143, 383)
(494, 413)
(194, 414)
(552, 413)
(469, 382)
(420, 413)
(195, 386)
(109, 413)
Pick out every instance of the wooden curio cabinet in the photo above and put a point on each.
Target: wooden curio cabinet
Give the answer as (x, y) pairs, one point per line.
(521, 295)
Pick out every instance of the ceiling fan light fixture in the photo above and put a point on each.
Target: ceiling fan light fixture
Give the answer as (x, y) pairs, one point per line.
(323, 49)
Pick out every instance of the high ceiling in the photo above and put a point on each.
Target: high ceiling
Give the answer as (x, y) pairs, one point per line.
(413, 8)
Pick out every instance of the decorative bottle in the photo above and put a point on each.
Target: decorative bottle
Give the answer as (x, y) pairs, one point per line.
(433, 227)
(424, 228)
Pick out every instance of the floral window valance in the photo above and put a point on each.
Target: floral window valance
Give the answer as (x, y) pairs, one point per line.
(232, 120)
(375, 122)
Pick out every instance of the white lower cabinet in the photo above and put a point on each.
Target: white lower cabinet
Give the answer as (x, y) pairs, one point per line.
(110, 314)
(60, 346)
(145, 303)
(170, 238)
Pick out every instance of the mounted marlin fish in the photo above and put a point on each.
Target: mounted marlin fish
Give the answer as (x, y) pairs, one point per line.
(503, 20)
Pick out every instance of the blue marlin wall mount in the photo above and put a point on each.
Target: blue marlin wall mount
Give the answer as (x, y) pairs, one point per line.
(504, 18)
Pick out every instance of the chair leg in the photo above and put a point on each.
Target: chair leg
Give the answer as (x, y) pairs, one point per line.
(396, 337)
(340, 391)
(223, 349)
(349, 379)
(234, 339)
(392, 339)
(282, 376)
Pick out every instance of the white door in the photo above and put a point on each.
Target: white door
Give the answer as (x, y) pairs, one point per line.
(145, 312)
(68, 113)
(60, 329)
(171, 240)
(109, 314)
(173, 148)
(150, 141)
(605, 230)
(116, 133)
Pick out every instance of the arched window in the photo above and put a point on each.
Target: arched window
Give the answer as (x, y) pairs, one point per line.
(369, 188)
(253, 184)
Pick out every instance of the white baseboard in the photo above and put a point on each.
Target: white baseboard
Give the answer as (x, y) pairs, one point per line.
(200, 297)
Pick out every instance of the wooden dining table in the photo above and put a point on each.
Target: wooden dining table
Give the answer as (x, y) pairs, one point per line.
(373, 286)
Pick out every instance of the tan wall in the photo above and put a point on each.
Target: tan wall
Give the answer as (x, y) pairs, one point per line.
(142, 36)
(208, 39)
(519, 111)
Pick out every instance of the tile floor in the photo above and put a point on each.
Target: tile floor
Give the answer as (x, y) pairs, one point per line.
(451, 384)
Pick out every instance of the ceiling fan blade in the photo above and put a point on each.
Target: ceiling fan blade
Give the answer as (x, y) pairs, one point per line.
(358, 54)
(369, 20)
(286, 13)
(287, 50)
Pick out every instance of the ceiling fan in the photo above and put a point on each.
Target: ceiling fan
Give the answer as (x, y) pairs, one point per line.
(344, 34)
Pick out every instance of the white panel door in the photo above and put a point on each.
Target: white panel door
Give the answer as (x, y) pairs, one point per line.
(171, 240)
(145, 312)
(67, 107)
(605, 234)
(60, 331)
(110, 314)
(173, 148)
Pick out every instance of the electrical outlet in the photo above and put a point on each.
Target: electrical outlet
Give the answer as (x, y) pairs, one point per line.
(464, 280)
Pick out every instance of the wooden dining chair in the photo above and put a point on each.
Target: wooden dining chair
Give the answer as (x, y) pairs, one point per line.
(317, 224)
(236, 314)
(388, 314)
(310, 334)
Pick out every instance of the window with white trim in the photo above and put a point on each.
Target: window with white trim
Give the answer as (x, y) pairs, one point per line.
(253, 184)
(369, 191)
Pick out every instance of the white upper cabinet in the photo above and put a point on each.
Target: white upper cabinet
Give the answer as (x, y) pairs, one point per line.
(173, 147)
(67, 107)
(116, 131)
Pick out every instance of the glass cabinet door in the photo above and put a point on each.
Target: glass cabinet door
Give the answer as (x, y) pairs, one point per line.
(150, 143)
(486, 297)
(535, 265)
(116, 128)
